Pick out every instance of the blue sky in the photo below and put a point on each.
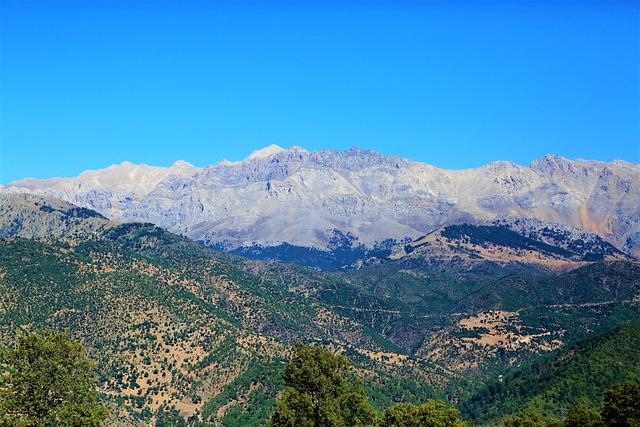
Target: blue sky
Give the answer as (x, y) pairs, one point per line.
(457, 84)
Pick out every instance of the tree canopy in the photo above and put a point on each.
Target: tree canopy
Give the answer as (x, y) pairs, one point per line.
(48, 380)
(580, 415)
(430, 414)
(621, 405)
(320, 392)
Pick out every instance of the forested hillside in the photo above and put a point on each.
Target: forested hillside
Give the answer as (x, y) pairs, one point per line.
(166, 333)
(550, 385)
(181, 331)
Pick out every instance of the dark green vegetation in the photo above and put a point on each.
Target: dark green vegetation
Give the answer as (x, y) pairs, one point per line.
(600, 282)
(310, 257)
(564, 245)
(432, 413)
(321, 391)
(48, 380)
(577, 374)
(589, 247)
(480, 235)
(75, 212)
(619, 409)
(172, 327)
(341, 253)
(620, 406)
(184, 334)
(497, 251)
(335, 258)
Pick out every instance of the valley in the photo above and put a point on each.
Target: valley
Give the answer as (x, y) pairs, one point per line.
(184, 331)
(369, 213)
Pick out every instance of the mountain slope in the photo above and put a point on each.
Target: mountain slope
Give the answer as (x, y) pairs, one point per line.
(24, 215)
(468, 247)
(302, 198)
(578, 374)
(166, 333)
(172, 324)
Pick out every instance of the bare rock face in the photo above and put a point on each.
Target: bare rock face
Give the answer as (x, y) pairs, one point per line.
(299, 197)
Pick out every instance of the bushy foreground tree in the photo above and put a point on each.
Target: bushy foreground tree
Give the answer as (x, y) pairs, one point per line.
(320, 392)
(48, 380)
(531, 420)
(430, 414)
(621, 405)
(581, 416)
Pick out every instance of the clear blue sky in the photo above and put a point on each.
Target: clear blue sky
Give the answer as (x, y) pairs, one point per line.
(86, 84)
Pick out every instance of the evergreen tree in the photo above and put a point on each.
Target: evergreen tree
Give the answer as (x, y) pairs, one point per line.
(531, 419)
(621, 405)
(49, 381)
(581, 416)
(320, 392)
(430, 414)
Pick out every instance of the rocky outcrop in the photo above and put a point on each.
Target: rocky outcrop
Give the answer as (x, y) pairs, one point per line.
(299, 197)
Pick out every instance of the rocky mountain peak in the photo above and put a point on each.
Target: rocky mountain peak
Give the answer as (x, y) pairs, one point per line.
(181, 164)
(265, 152)
(299, 197)
(553, 164)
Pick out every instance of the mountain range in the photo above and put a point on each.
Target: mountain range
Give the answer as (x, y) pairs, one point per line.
(181, 332)
(358, 198)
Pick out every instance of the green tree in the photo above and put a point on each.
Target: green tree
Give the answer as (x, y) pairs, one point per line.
(530, 420)
(581, 416)
(430, 414)
(320, 392)
(621, 405)
(49, 381)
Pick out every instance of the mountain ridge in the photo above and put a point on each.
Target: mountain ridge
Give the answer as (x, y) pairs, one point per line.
(176, 326)
(300, 197)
